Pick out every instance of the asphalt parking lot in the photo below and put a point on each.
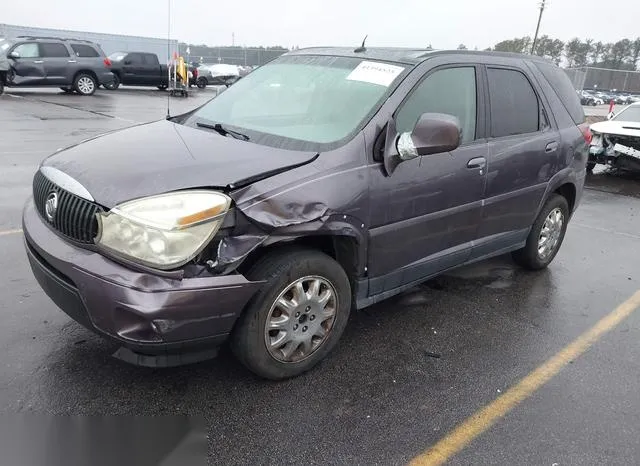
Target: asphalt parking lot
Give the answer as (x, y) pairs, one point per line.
(407, 372)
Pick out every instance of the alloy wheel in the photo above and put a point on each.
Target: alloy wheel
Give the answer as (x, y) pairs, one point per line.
(550, 233)
(301, 318)
(86, 85)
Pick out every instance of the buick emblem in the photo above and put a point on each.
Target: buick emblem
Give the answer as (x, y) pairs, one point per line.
(51, 205)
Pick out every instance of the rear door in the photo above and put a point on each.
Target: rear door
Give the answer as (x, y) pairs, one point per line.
(56, 60)
(86, 56)
(523, 155)
(28, 69)
(152, 69)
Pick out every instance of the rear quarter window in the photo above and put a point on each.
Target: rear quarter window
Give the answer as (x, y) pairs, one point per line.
(82, 50)
(563, 88)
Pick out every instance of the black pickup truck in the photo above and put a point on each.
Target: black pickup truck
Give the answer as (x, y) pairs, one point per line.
(138, 69)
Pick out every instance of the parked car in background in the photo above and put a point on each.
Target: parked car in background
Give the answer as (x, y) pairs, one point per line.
(217, 75)
(587, 99)
(72, 65)
(269, 213)
(616, 142)
(138, 69)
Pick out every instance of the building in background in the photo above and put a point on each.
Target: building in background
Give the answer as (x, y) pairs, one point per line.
(110, 43)
(605, 79)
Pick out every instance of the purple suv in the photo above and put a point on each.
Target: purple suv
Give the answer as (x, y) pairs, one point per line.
(325, 181)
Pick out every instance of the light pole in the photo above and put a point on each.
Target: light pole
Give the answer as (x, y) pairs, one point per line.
(535, 37)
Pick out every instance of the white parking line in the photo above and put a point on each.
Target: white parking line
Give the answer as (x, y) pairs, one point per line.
(607, 230)
(10, 232)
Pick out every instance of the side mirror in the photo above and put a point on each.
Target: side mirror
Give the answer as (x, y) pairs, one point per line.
(15, 55)
(434, 133)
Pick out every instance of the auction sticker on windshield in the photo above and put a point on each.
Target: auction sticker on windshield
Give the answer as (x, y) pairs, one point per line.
(375, 73)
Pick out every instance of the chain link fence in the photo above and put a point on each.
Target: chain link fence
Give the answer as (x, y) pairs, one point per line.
(605, 79)
(242, 56)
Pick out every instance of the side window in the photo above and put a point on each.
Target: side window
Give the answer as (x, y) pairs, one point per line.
(134, 59)
(28, 50)
(514, 104)
(148, 60)
(451, 91)
(82, 50)
(53, 50)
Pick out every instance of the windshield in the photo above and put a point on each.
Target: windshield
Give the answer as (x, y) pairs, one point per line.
(629, 114)
(313, 100)
(117, 56)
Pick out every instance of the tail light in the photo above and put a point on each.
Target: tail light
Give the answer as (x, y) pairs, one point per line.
(586, 132)
(107, 62)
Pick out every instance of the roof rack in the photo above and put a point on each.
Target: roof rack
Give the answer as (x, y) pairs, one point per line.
(53, 38)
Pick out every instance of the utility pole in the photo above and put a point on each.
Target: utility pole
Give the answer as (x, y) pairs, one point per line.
(535, 37)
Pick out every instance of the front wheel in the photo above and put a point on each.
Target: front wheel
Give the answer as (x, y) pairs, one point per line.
(298, 316)
(546, 235)
(113, 85)
(85, 84)
(201, 83)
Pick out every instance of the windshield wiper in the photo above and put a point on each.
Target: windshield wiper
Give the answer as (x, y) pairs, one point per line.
(223, 131)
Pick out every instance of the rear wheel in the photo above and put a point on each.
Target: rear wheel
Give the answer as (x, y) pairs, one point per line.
(201, 83)
(298, 316)
(546, 236)
(85, 84)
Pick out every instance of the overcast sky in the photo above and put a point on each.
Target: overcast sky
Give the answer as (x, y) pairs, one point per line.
(412, 23)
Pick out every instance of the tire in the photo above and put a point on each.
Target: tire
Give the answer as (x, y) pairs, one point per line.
(281, 271)
(1, 84)
(590, 166)
(530, 256)
(113, 85)
(85, 84)
(201, 83)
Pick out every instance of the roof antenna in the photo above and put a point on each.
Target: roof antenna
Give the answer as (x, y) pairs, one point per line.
(168, 57)
(362, 48)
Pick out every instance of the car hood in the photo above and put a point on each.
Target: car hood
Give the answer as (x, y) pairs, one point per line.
(621, 128)
(164, 156)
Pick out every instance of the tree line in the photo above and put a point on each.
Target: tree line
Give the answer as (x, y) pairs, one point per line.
(621, 55)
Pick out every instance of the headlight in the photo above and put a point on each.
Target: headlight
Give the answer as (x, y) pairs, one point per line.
(164, 231)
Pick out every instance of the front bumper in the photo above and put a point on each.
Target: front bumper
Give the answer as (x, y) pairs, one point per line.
(144, 313)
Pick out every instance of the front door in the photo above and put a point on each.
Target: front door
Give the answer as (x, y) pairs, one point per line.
(28, 68)
(425, 216)
(56, 62)
(133, 69)
(524, 153)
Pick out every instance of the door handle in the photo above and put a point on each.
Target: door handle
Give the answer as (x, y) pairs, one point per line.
(38, 61)
(477, 162)
(551, 147)
(73, 61)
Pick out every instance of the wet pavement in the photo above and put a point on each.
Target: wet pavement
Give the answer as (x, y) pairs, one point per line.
(407, 370)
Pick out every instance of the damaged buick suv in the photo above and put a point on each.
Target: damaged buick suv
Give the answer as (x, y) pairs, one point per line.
(323, 182)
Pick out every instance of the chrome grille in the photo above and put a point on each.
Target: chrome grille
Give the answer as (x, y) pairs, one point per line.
(74, 217)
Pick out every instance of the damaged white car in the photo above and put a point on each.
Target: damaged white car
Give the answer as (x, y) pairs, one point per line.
(616, 142)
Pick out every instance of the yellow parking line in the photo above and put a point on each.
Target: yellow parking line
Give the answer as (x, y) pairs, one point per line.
(483, 419)
(10, 232)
